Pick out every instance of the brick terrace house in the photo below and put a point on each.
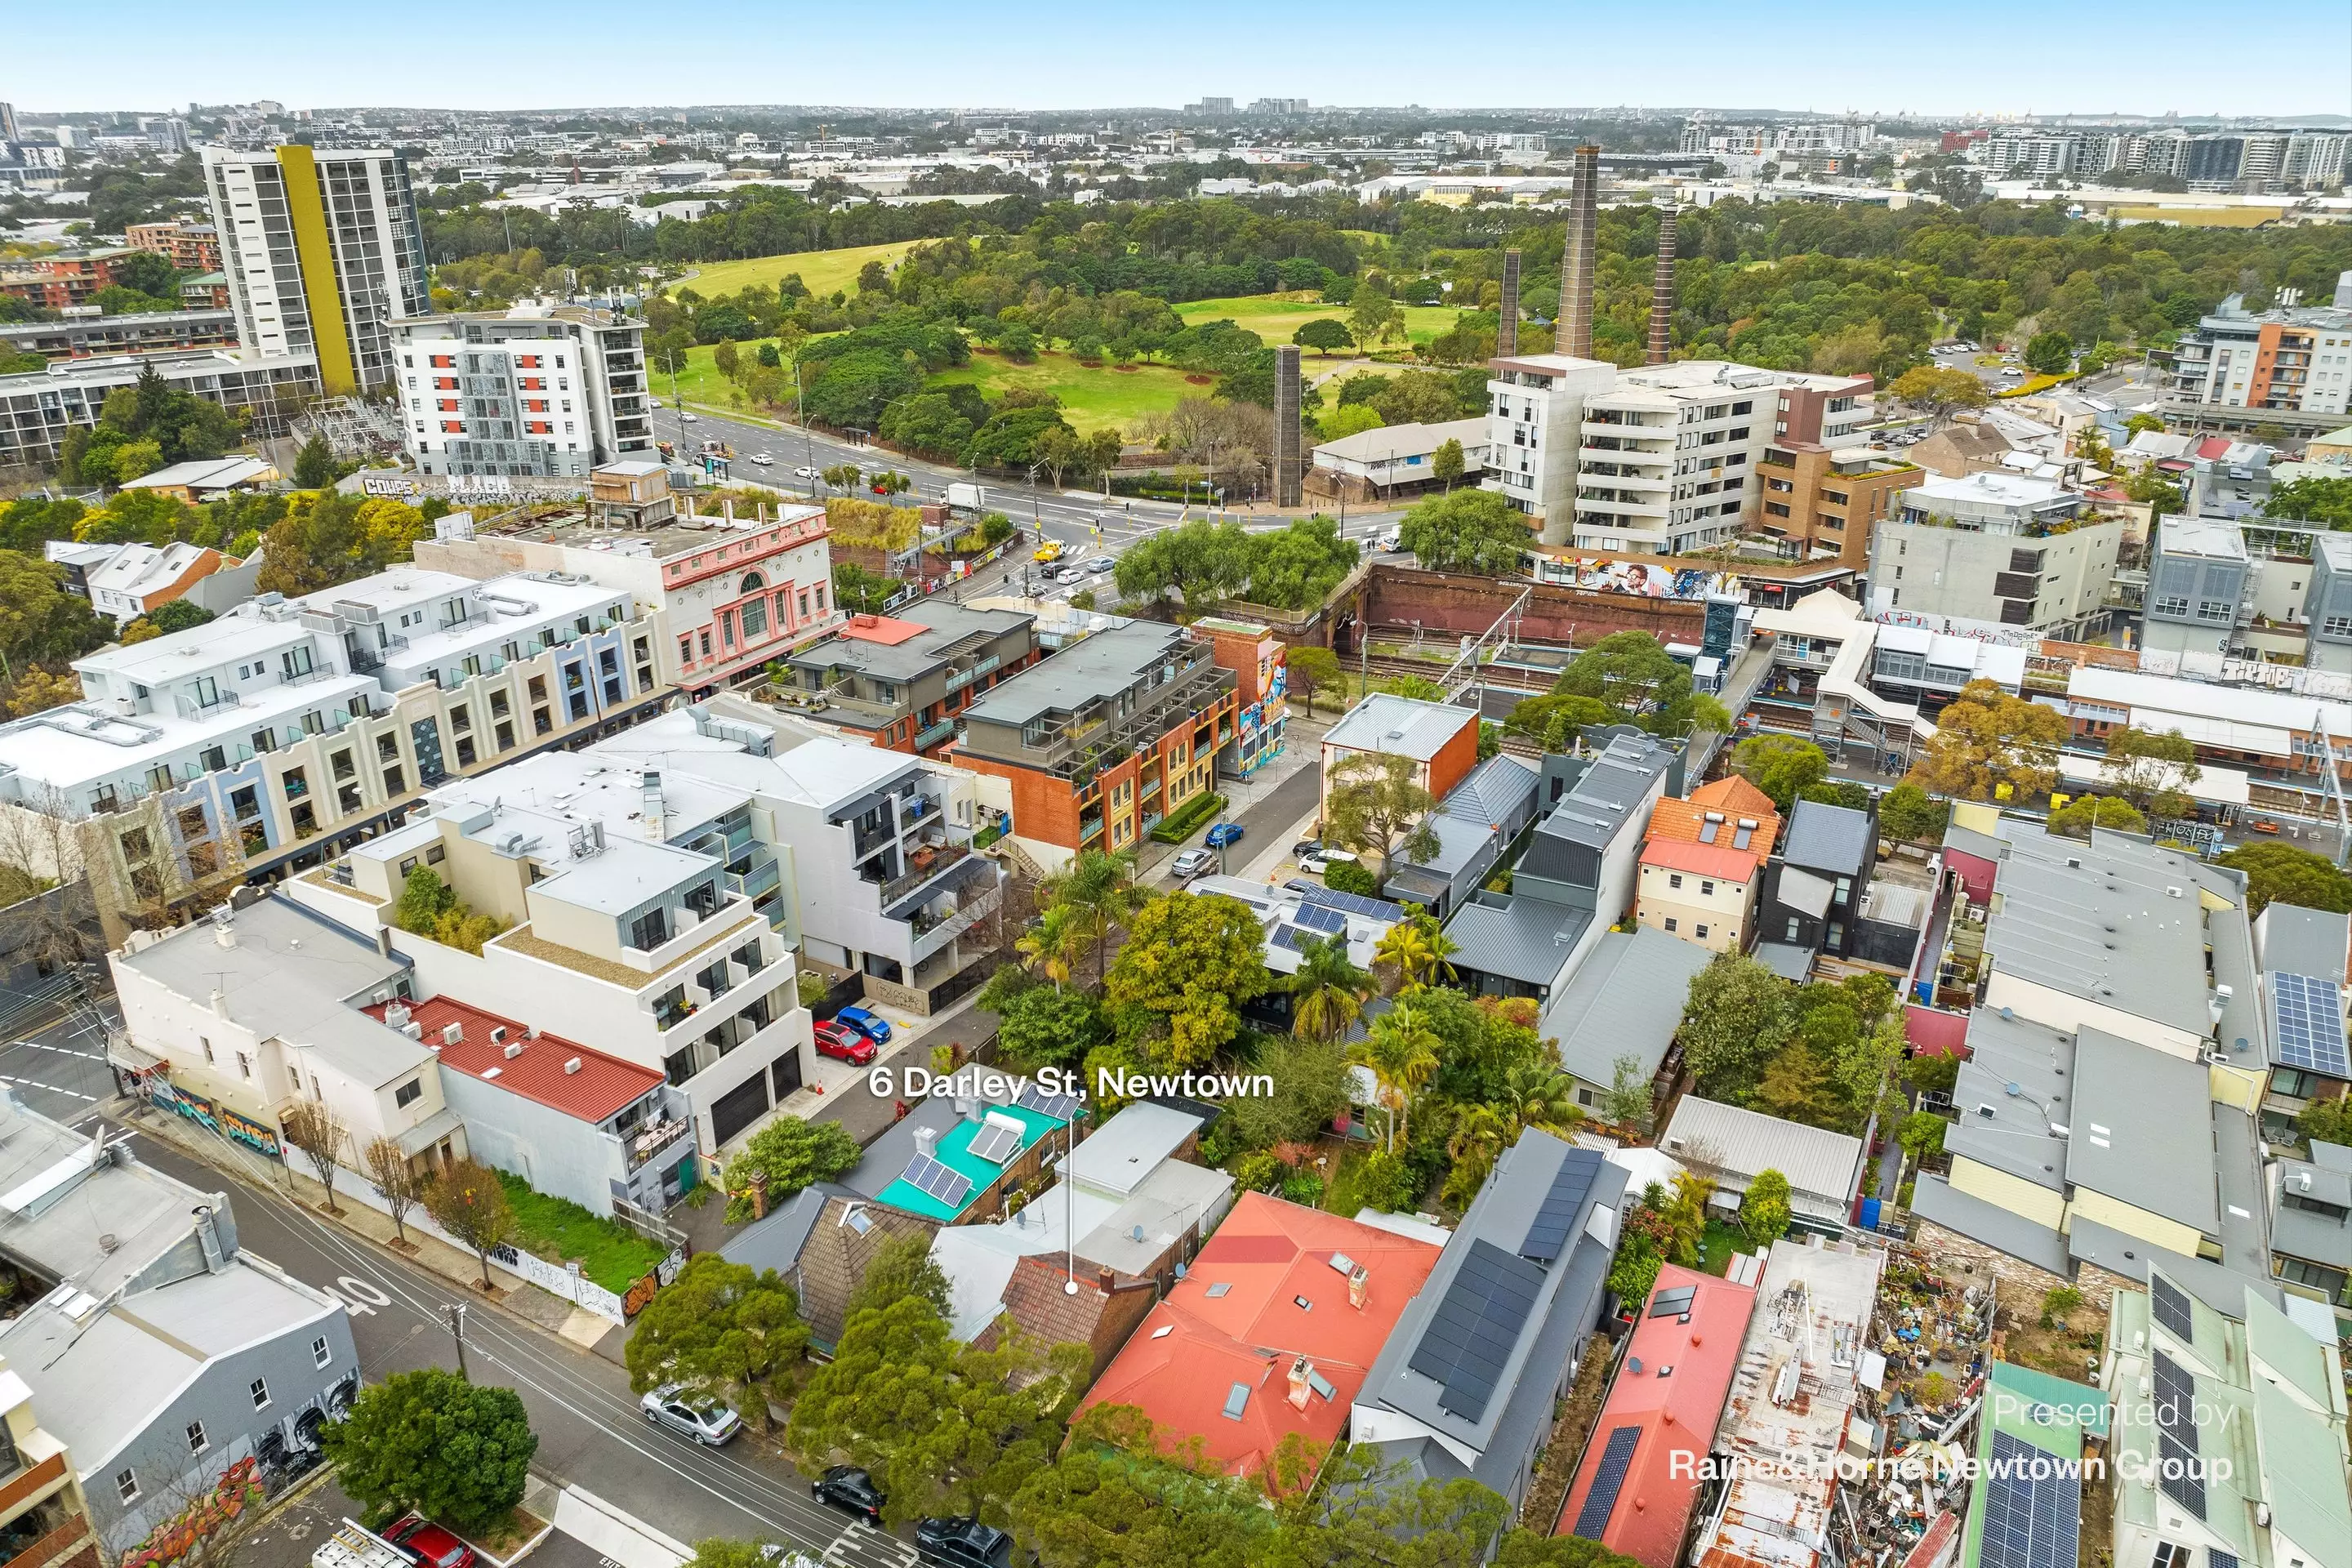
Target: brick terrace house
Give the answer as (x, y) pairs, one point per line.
(1104, 739)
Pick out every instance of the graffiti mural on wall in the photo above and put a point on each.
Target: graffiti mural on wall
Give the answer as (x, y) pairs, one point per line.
(252, 1135)
(1642, 579)
(239, 1489)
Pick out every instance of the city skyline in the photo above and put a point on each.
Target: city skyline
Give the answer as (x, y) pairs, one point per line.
(1829, 56)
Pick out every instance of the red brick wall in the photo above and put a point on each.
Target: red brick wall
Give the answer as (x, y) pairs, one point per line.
(1453, 761)
(1454, 606)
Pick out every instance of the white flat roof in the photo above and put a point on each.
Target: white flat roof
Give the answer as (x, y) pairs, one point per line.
(2170, 700)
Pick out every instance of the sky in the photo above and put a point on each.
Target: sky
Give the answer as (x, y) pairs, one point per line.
(1882, 59)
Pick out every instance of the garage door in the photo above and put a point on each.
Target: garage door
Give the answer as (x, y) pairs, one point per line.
(739, 1108)
(785, 1070)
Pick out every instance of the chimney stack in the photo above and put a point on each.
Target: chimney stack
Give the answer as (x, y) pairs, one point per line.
(220, 1005)
(1299, 1382)
(1506, 325)
(927, 1142)
(1359, 1287)
(1287, 476)
(651, 806)
(1661, 290)
(1576, 266)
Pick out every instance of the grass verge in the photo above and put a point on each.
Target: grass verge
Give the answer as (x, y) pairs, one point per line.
(560, 1230)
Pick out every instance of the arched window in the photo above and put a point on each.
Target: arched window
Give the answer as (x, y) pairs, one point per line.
(753, 583)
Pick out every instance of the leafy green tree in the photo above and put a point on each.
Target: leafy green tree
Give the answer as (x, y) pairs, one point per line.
(1203, 561)
(1990, 745)
(2326, 1121)
(1627, 1102)
(1111, 1500)
(1633, 674)
(943, 1428)
(1635, 1269)
(720, 1552)
(1048, 1026)
(1908, 813)
(1099, 887)
(2326, 502)
(901, 1267)
(1764, 1209)
(1347, 419)
(2079, 816)
(177, 616)
(1175, 990)
(1295, 567)
(432, 1442)
(41, 621)
(1737, 1019)
(782, 1158)
(2280, 873)
(1921, 1133)
(1373, 1513)
(1783, 766)
(1468, 530)
(1324, 334)
(1797, 1087)
(725, 1329)
(850, 391)
(1327, 991)
(2050, 353)
(2150, 770)
(1313, 669)
(1938, 392)
(314, 465)
(1402, 1050)
(1420, 688)
(1535, 1094)
(1311, 1088)
(1446, 463)
(1554, 721)
(1373, 805)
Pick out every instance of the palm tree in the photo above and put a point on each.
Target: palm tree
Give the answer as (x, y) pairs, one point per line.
(1052, 947)
(1327, 993)
(1402, 1054)
(1533, 1095)
(1099, 889)
(1414, 952)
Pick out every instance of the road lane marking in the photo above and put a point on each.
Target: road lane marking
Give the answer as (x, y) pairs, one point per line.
(53, 1088)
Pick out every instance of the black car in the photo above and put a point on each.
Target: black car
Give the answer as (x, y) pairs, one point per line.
(962, 1543)
(847, 1487)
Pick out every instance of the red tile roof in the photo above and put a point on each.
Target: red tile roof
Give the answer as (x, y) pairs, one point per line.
(1715, 860)
(1674, 1413)
(1236, 1319)
(600, 1087)
(2212, 447)
(883, 629)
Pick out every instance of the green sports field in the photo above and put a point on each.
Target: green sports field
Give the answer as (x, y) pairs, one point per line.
(825, 271)
(1275, 317)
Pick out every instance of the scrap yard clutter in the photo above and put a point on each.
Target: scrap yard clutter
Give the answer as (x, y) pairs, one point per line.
(979, 1083)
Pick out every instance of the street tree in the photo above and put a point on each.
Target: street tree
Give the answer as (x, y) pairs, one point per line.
(2050, 353)
(1311, 668)
(1938, 392)
(432, 1442)
(2280, 873)
(1468, 530)
(943, 1428)
(1373, 805)
(1324, 334)
(1783, 766)
(1992, 745)
(396, 1180)
(1174, 991)
(1447, 462)
(1113, 1500)
(725, 1329)
(312, 1126)
(467, 1201)
(2152, 771)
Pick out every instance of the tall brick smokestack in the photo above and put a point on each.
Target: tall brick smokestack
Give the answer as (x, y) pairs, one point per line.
(1661, 290)
(1575, 336)
(1507, 330)
(1287, 476)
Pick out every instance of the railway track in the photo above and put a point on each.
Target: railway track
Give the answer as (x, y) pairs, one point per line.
(1390, 666)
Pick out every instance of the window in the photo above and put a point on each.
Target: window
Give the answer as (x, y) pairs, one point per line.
(260, 1391)
(1670, 922)
(2213, 609)
(2178, 605)
(2170, 1555)
(244, 1065)
(208, 1045)
(1674, 879)
(405, 1095)
(649, 930)
(1792, 928)
(198, 1441)
(1701, 932)
(126, 1486)
(321, 1354)
(2338, 625)
(1706, 889)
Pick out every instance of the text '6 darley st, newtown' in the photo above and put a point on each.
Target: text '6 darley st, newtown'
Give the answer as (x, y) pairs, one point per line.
(916, 1083)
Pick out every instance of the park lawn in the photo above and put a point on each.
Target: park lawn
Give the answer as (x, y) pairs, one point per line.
(1275, 317)
(825, 271)
(1093, 397)
(700, 382)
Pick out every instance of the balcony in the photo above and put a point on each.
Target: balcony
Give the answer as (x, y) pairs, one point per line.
(197, 708)
(959, 678)
(928, 863)
(762, 875)
(931, 939)
(925, 739)
(647, 1143)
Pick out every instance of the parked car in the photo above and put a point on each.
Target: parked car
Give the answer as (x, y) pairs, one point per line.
(847, 1487)
(844, 1044)
(1306, 846)
(686, 1413)
(872, 1025)
(429, 1545)
(763, 460)
(1193, 863)
(962, 1542)
(1321, 862)
(1050, 550)
(1223, 834)
(1392, 540)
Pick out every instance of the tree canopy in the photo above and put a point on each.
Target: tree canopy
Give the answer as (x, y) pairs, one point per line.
(725, 1329)
(1990, 745)
(2280, 873)
(1474, 532)
(1188, 964)
(429, 1440)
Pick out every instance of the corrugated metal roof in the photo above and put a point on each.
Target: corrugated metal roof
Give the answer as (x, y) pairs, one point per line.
(1626, 999)
(1399, 726)
(1526, 939)
(1820, 1166)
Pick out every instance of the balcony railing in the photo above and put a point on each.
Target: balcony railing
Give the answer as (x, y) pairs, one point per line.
(934, 735)
(959, 678)
(939, 860)
(653, 1139)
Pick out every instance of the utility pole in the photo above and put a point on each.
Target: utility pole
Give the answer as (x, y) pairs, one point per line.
(456, 1313)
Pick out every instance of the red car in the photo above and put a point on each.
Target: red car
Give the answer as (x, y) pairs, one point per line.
(431, 1546)
(844, 1044)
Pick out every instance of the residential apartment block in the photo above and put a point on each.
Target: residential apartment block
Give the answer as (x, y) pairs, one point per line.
(1995, 548)
(284, 729)
(733, 593)
(324, 254)
(535, 392)
(1820, 503)
(1661, 457)
(188, 246)
(2290, 365)
(62, 280)
(901, 681)
(80, 337)
(1104, 739)
(1441, 739)
(37, 407)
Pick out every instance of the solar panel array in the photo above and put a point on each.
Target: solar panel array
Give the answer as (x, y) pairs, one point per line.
(1058, 1105)
(930, 1177)
(2218, 1559)
(1592, 1518)
(1354, 903)
(2171, 1306)
(2307, 1021)
(994, 1143)
(2033, 1508)
(2176, 1438)
(1292, 938)
(1674, 1303)
(1469, 1338)
(1547, 1232)
(1315, 917)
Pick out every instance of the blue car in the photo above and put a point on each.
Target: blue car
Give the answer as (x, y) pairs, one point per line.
(1224, 834)
(873, 1025)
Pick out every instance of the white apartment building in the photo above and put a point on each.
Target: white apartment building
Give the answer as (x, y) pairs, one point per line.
(263, 738)
(629, 931)
(1660, 457)
(324, 252)
(1995, 547)
(734, 593)
(541, 392)
(2290, 365)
